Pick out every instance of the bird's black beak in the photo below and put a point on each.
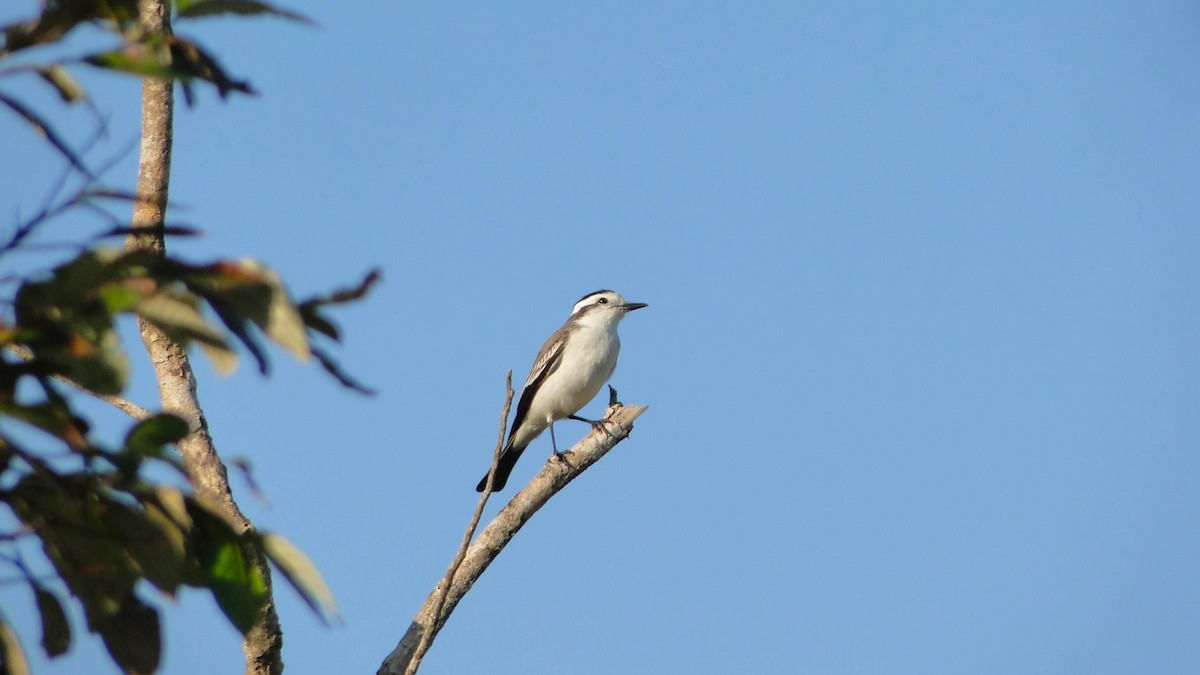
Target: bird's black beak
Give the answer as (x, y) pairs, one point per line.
(630, 306)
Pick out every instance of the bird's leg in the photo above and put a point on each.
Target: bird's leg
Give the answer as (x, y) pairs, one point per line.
(554, 444)
(596, 424)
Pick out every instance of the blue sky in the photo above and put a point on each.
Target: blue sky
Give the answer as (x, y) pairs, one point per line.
(921, 351)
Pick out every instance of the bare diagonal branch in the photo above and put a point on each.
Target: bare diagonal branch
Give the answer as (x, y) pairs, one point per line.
(553, 477)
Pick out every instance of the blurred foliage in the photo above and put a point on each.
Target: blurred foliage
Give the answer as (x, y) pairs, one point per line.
(102, 523)
(131, 50)
(103, 528)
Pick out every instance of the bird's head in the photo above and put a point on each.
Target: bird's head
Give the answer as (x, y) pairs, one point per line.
(603, 306)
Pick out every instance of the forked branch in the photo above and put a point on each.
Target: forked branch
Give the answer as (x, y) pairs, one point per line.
(438, 597)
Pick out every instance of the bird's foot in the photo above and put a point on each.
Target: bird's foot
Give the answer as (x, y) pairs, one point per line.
(562, 457)
(596, 424)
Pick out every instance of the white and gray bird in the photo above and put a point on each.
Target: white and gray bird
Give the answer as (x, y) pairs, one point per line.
(574, 363)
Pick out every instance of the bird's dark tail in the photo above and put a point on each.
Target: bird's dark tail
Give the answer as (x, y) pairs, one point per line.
(508, 459)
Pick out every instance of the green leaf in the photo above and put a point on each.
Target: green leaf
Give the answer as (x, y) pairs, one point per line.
(191, 9)
(228, 568)
(170, 503)
(72, 514)
(48, 27)
(59, 18)
(138, 58)
(176, 314)
(177, 311)
(223, 358)
(56, 632)
(236, 584)
(150, 435)
(240, 327)
(169, 58)
(68, 88)
(118, 298)
(301, 574)
(133, 637)
(70, 329)
(152, 539)
(173, 504)
(63, 82)
(12, 657)
(277, 317)
(97, 364)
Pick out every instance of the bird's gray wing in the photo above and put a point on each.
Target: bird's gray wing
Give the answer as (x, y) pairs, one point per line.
(548, 360)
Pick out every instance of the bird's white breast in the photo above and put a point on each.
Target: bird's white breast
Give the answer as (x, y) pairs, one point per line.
(588, 360)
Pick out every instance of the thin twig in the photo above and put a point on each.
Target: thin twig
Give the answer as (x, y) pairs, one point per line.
(443, 588)
(47, 131)
(126, 406)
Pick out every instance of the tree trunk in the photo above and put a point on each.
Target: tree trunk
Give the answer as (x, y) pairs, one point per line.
(176, 383)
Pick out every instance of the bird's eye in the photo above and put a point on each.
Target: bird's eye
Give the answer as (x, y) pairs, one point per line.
(603, 301)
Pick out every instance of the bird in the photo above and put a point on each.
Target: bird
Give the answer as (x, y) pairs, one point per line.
(574, 363)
